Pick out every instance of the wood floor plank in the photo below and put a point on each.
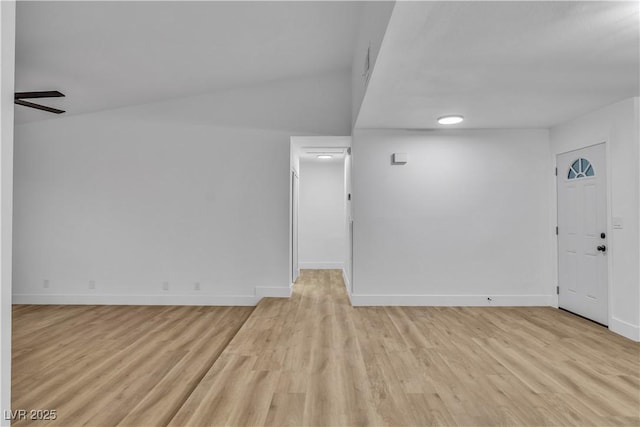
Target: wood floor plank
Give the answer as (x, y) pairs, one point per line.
(314, 360)
(102, 364)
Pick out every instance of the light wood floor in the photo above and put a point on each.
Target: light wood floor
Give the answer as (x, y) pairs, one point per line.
(105, 365)
(315, 360)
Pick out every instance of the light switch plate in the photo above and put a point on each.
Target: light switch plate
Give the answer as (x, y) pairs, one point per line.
(617, 222)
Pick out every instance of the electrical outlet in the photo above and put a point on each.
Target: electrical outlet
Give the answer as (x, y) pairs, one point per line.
(92, 284)
(45, 284)
(196, 286)
(165, 286)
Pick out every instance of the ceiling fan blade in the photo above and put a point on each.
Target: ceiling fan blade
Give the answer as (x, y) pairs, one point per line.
(40, 94)
(38, 106)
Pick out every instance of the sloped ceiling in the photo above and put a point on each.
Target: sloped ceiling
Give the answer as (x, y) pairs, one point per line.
(105, 55)
(502, 64)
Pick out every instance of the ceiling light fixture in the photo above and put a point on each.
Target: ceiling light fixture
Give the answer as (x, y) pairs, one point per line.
(450, 120)
(325, 156)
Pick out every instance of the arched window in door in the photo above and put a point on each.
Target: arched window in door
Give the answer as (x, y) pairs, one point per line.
(581, 168)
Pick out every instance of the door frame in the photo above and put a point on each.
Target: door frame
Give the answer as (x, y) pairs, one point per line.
(609, 228)
(293, 175)
(296, 145)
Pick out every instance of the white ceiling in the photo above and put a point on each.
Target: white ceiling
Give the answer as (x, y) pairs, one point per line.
(104, 55)
(502, 64)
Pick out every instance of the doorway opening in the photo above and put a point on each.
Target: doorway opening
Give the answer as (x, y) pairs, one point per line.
(320, 206)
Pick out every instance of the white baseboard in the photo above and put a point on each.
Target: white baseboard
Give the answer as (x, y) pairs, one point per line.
(321, 265)
(115, 299)
(273, 292)
(625, 329)
(453, 300)
(107, 299)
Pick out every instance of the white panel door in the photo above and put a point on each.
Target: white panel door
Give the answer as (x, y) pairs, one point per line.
(295, 194)
(582, 228)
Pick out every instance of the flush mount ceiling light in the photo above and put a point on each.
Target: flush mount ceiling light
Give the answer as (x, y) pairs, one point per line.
(450, 120)
(325, 156)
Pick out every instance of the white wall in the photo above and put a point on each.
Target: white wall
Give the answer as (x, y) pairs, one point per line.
(188, 191)
(7, 58)
(322, 210)
(616, 124)
(465, 219)
(373, 23)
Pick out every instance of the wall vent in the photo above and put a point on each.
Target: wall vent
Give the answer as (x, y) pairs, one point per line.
(367, 65)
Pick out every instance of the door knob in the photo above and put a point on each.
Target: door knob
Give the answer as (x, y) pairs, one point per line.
(602, 248)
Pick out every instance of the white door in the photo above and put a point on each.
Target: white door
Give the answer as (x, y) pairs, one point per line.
(350, 249)
(582, 228)
(295, 271)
